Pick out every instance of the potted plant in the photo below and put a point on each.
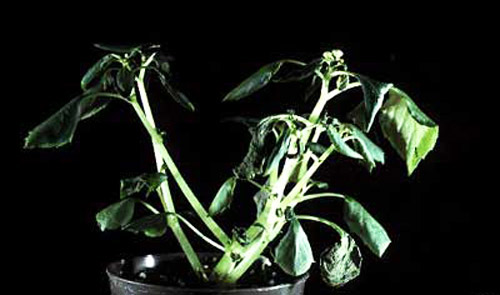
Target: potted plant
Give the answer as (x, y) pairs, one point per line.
(283, 156)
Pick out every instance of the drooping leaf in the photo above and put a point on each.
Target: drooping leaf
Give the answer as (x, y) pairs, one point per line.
(412, 133)
(260, 199)
(178, 96)
(341, 263)
(59, 128)
(340, 144)
(248, 122)
(279, 151)
(317, 148)
(255, 82)
(298, 73)
(374, 93)
(96, 71)
(116, 215)
(125, 80)
(365, 226)
(148, 182)
(319, 184)
(223, 198)
(370, 151)
(151, 226)
(117, 48)
(293, 253)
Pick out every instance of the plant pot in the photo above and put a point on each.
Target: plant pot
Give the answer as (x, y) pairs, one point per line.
(121, 283)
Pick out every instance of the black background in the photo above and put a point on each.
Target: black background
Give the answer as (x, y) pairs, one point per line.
(439, 219)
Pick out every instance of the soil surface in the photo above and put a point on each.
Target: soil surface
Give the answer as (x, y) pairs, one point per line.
(177, 273)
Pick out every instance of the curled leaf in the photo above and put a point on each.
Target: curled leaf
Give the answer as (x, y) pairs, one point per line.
(96, 71)
(374, 93)
(370, 151)
(341, 263)
(147, 181)
(294, 254)
(176, 95)
(255, 82)
(340, 145)
(279, 151)
(223, 198)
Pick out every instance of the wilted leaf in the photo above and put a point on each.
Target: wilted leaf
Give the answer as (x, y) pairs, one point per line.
(366, 227)
(317, 148)
(279, 151)
(147, 181)
(223, 198)
(294, 254)
(125, 80)
(178, 96)
(116, 215)
(374, 93)
(341, 263)
(255, 82)
(299, 72)
(151, 226)
(116, 48)
(260, 199)
(340, 144)
(59, 128)
(412, 133)
(370, 151)
(96, 71)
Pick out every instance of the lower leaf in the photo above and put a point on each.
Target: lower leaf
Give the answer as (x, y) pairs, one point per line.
(294, 254)
(341, 263)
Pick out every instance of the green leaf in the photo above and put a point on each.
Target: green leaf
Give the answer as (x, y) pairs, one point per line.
(293, 253)
(317, 148)
(374, 93)
(147, 181)
(152, 226)
(299, 73)
(255, 82)
(96, 71)
(319, 184)
(412, 133)
(125, 81)
(370, 151)
(340, 144)
(366, 227)
(178, 96)
(223, 198)
(117, 48)
(116, 215)
(260, 199)
(279, 151)
(341, 263)
(59, 128)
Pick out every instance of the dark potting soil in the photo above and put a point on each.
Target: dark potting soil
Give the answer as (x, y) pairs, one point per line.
(178, 273)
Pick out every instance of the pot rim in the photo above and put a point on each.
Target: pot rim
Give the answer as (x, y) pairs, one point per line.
(117, 277)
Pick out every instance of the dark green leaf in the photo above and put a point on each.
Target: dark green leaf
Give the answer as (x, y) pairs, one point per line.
(279, 151)
(366, 227)
(340, 144)
(294, 254)
(341, 263)
(117, 48)
(299, 72)
(152, 226)
(59, 128)
(374, 92)
(116, 215)
(412, 134)
(319, 184)
(125, 80)
(96, 71)
(223, 198)
(371, 152)
(317, 148)
(260, 199)
(255, 82)
(178, 96)
(147, 181)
